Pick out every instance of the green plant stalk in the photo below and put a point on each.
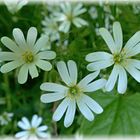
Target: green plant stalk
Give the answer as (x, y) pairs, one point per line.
(7, 91)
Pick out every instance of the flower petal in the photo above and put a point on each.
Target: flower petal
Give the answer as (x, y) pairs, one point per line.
(72, 68)
(86, 80)
(44, 65)
(63, 71)
(98, 56)
(133, 71)
(42, 135)
(84, 109)
(33, 71)
(21, 134)
(41, 43)
(42, 128)
(78, 22)
(94, 86)
(52, 97)
(108, 39)
(23, 74)
(31, 36)
(19, 38)
(7, 56)
(98, 65)
(10, 44)
(36, 121)
(112, 78)
(92, 104)
(122, 81)
(70, 113)
(133, 41)
(65, 26)
(53, 87)
(26, 122)
(48, 55)
(118, 36)
(59, 112)
(10, 66)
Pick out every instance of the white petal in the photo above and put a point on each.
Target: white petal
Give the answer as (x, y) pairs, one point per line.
(96, 85)
(59, 112)
(21, 134)
(10, 66)
(31, 36)
(52, 97)
(36, 121)
(78, 22)
(48, 55)
(41, 43)
(33, 71)
(78, 10)
(93, 105)
(86, 80)
(72, 68)
(7, 56)
(22, 125)
(44, 65)
(10, 44)
(133, 41)
(42, 134)
(70, 113)
(19, 38)
(84, 109)
(98, 56)
(26, 122)
(133, 51)
(98, 65)
(122, 81)
(65, 26)
(134, 72)
(112, 78)
(118, 36)
(23, 74)
(53, 87)
(108, 39)
(42, 128)
(63, 71)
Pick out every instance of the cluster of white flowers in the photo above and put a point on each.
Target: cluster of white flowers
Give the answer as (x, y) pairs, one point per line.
(32, 130)
(5, 118)
(29, 54)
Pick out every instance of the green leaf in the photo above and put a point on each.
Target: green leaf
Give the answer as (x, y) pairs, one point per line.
(120, 116)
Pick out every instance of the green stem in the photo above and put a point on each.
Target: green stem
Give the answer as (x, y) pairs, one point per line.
(7, 90)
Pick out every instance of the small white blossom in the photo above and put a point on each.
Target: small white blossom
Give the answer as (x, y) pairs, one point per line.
(69, 15)
(15, 5)
(5, 118)
(26, 54)
(32, 130)
(93, 12)
(73, 93)
(50, 28)
(120, 58)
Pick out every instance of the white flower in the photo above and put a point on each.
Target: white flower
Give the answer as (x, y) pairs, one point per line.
(73, 92)
(120, 58)
(15, 5)
(26, 54)
(51, 28)
(5, 118)
(32, 130)
(69, 15)
(93, 12)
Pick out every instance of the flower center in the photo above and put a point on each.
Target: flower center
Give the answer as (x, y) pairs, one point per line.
(69, 16)
(28, 57)
(32, 130)
(118, 58)
(74, 91)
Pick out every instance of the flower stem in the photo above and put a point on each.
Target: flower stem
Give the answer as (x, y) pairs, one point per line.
(7, 90)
